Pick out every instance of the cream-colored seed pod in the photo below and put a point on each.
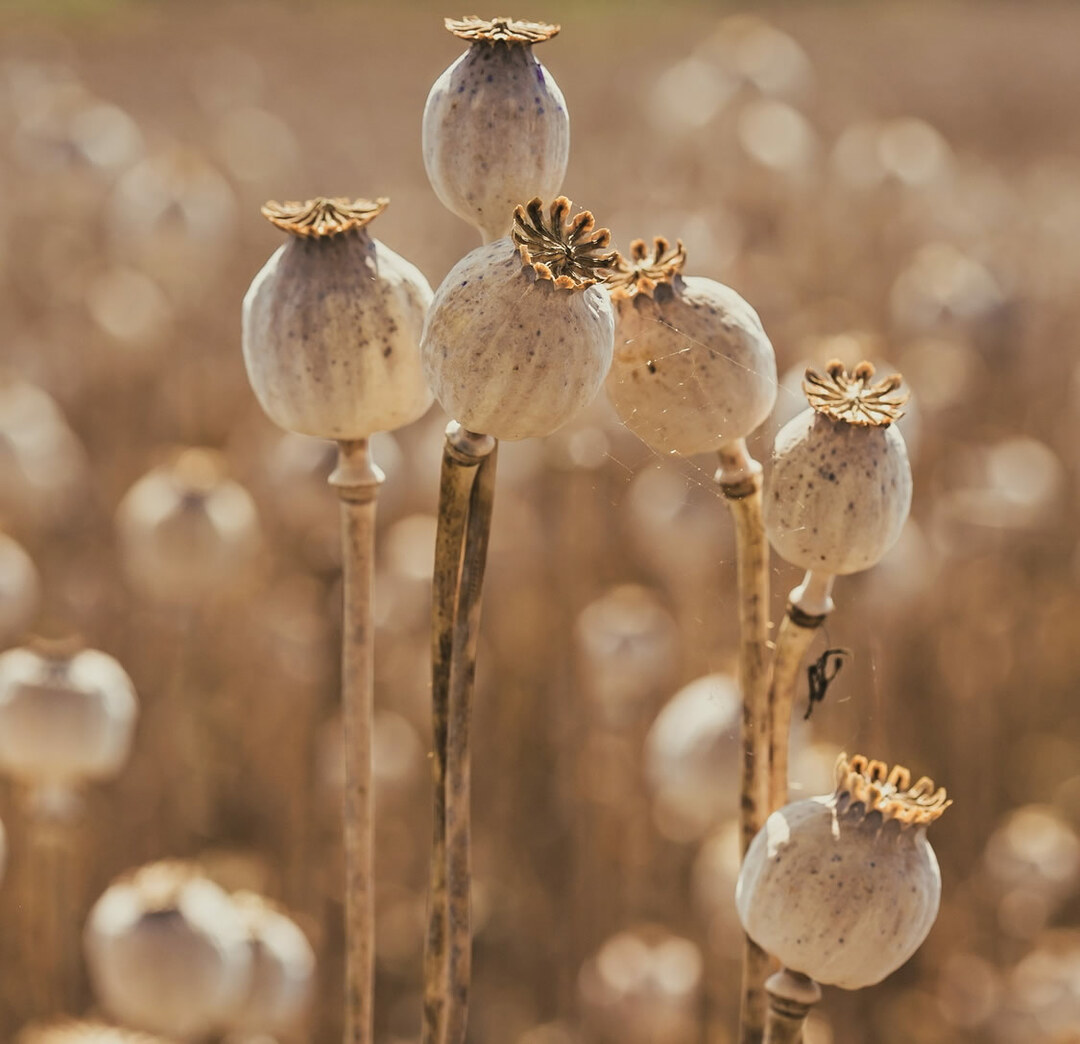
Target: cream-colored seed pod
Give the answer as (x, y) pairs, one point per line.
(519, 336)
(66, 717)
(69, 1031)
(496, 130)
(844, 888)
(282, 969)
(168, 952)
(693, 370)
(331, 325)
(20, 589)
(840, 487)
(187, 532)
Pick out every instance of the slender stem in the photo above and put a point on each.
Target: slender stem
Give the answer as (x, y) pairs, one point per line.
(357, 479)
(739, 478)
(791, 996)
(809, 605)
(465, 501)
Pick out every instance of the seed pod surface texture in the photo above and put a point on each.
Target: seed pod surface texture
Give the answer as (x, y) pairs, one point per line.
(514, 347)
(331, 327)
(495, 132)
(845, 888)
(693, 368)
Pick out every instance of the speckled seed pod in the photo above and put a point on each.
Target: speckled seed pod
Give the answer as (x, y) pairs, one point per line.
(844, 888)
(66, 717)
(332, 323)
(519, 336)
(840, 487)
(188, 532)
(495, 130)
(168, 952)
(693, 369)
(69, 1031)
(282, 969)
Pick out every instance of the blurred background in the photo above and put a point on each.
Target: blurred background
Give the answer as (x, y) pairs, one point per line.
(897, 181)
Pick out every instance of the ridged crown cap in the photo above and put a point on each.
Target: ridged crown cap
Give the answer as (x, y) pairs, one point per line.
(323, 216)
(500, 30)
(568, 251)
(642, 272)
(852, 398)
(877, 788)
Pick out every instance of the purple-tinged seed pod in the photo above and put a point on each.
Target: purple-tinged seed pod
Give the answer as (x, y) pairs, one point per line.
(496, 130)
(332, 323)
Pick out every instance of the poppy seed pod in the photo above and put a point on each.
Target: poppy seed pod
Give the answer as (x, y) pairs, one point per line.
(167, 952)
(519, 336)
(331, 325)
(187, 531)
(66, 717)
(282, 969)
(845, 888)
(693, 370)
(495, 130)
(840, 487)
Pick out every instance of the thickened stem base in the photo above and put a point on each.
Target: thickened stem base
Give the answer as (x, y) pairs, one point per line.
(791, 996)
(356, 480)
(465, 504)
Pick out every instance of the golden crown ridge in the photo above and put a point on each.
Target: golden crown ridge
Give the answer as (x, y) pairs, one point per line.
(642, 272)
(500, 30)
(852, 398)
(565, 250)
(80, 1031)
(877, 788)
(323, 216)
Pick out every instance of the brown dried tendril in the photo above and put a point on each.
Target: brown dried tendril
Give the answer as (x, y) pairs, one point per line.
(640, 273)
(852, 398)
(323, 216)
(876, 788)
(568, 251)
(501, 30)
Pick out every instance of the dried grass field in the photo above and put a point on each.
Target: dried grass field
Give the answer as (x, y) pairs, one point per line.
(894, 181)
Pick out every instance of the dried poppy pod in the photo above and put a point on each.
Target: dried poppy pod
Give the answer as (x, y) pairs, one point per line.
(167, 952)
(840, 488)
(70, 1031)
(519, 336)
(496, 130)
(188, 532)
(66, 715)
(282, 969)
(693, 370)
(331, 325)
(844, 888)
